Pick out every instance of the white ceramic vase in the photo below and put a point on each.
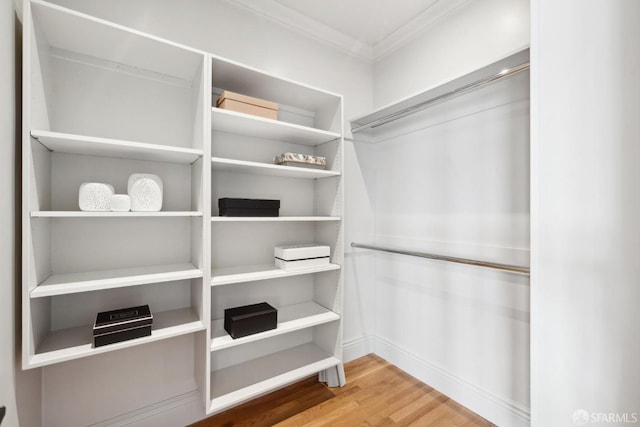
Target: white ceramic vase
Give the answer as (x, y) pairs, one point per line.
(145, 191)
(95, 196)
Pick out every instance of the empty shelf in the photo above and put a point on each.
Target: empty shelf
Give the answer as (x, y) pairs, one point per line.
(93, 146)
(259, 127)
(252, 273)
(59, 284)
(245, 381)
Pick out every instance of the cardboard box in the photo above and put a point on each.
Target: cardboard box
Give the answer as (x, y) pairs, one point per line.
(121, 325)
(250, 319)
(301, 256)
(248, 207)
(247, 105)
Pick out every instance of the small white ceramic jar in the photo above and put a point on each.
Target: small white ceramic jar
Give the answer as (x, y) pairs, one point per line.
(120, 203)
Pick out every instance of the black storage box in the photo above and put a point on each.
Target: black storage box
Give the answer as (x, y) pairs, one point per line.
(248, 207)
(250, 319)
(121, 325)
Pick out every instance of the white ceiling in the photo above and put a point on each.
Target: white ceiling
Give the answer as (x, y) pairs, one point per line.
(369, 29)
(369, 21)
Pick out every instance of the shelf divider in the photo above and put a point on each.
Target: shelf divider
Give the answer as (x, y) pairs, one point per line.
(85, 214)
(75, 343)
(273, 218)
(256, 168)
(260, 127)
(251, 379)
(61, 284)
(95, 146)
(252, 273)
(290, 318)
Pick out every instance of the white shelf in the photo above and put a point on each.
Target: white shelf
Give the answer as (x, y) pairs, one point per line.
(82, 214)
(273, 218)
(252, 273)
(60, 284)
(245, 381)
(93, 146)
(74, 343)
(255, 168)
(259, 127)
(503, 68)
(241, 78)
(290, 318)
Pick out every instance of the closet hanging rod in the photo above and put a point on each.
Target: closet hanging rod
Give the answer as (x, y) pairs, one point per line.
(506, 67)
(486, 264)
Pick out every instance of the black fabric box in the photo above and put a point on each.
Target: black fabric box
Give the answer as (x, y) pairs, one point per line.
(250, 319)
(248, 207)
(121, 325)
(124, 335)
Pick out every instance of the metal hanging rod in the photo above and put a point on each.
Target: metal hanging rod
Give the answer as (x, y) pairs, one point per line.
(493, 265)
(509, 66)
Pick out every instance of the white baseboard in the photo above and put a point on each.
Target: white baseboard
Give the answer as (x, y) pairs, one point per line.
(500, 411)
(180, 410)
(188, 408)
(354, 349)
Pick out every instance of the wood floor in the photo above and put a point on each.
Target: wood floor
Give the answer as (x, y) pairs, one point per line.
(377, 394)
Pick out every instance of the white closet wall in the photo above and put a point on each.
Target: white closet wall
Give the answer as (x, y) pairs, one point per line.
(454, 179)
(469, 37)
(8, 270)
(585, 211)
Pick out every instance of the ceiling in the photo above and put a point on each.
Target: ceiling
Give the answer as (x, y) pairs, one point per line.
(369, 29)
(370, 21)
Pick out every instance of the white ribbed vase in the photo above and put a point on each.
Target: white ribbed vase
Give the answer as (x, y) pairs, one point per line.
(145, 191)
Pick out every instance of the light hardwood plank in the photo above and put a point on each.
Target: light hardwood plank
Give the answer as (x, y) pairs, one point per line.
(376, 394)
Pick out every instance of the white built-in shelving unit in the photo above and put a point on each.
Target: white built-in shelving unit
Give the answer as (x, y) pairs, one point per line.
(101, 102)
(308, 337)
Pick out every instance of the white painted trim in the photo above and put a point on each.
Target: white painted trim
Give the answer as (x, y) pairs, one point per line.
(498, 410)
(537, 350)
(357, 348)
(419, 24)
(301, 23)
(158, 411)
(345, 43)
(18, 5)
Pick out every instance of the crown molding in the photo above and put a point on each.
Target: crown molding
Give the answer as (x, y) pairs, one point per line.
(418, 25)
(301, 23)
(347, 44)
